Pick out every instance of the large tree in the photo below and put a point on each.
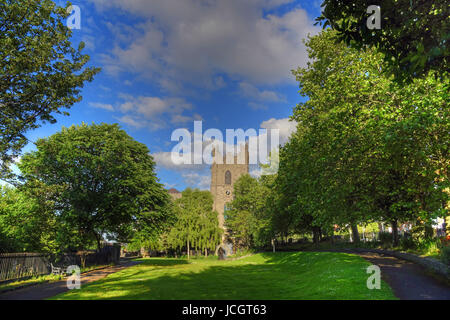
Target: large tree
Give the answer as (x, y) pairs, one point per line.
(41, 74)
(102, 182)
(366, 147)
(197, 225)
(414, 34)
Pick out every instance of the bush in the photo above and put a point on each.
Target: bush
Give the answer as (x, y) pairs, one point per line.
(445, 254)
(386, 239)
(407, 242)
(445, 241)
(428, 244)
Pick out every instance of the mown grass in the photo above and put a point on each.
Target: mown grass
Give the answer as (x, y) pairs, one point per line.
(28, 282)
(41, 279)
(299, 275)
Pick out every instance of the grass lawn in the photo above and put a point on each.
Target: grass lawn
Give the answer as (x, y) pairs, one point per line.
(42, 279)
(30, 281)
(284, 275)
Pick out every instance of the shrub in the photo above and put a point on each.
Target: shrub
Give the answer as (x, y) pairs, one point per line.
(385, 238)
(428, 244)
(445, 254)
(407, 242)
(445, 241)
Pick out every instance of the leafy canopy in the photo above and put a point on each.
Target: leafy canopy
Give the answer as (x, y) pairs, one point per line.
(414, 35)
(102, 182)
(40, 72)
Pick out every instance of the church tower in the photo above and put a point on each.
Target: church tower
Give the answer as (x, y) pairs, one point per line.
(223, 177)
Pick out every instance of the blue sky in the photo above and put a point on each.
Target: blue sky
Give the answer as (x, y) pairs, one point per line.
(166, 63)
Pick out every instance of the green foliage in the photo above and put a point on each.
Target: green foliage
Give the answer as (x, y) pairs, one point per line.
(414, 35)
(25, 225)
(100, 181)
(407, 243)
(197, 225)
(445, 254)
(385, 239)
(366, 148)
(40, 72)
(248, 221)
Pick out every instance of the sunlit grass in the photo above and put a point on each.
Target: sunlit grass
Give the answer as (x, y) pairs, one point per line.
(28, 282)
(300, 275)
(42, 279)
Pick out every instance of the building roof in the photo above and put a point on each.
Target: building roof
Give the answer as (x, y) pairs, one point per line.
(173, 190)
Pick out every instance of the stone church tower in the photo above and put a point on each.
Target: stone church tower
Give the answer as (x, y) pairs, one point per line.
(223, 177)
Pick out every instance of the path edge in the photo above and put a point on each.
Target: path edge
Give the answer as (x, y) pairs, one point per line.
(430, 264)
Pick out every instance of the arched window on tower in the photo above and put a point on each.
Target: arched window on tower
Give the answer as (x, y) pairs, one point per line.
(228, 177)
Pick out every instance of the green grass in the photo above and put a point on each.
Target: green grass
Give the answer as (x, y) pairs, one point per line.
(30, 281)
(299, 275)
(42, 279)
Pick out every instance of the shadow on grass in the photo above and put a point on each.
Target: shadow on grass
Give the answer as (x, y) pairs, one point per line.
(276, 276)
(162, 261)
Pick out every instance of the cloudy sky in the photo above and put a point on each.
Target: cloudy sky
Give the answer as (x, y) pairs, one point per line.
(166, 63)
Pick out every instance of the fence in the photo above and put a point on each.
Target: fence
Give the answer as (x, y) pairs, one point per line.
(16, 266)
(22, 265)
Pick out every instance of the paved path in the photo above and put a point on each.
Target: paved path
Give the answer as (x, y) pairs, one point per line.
(408, 280)
(47, 290)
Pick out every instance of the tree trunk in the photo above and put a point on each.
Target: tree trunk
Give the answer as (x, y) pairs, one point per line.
(273, 245)
(394, 225)
(206, 252)
(98, 238)
(83, 259)
(355, 233)
(188, 249)
(316, 235)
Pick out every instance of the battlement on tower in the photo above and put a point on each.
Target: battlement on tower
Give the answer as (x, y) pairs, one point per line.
(239, 156)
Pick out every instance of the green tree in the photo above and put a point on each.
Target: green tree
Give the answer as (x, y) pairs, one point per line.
(414, 35)
(248, 220)
(366, 147)
(197, 225)
(102, 182)
(25, 224)
(40, 72)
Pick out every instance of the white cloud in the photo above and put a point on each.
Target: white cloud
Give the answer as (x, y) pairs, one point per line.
(257, 106)
(197, 180)
(132, 122)
(193, 41)
(103, 106)
(154, 112)
(286, 127)
(250, 91)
